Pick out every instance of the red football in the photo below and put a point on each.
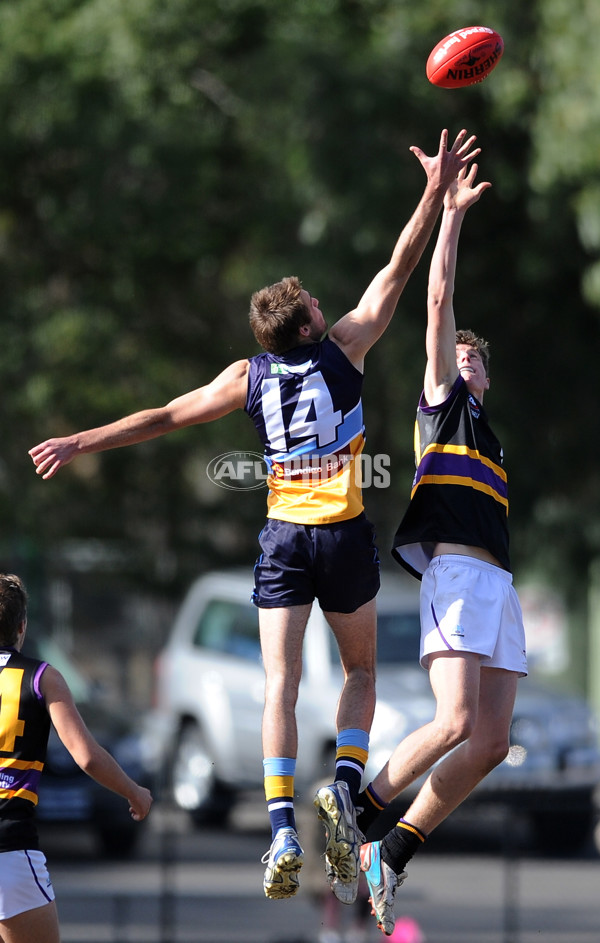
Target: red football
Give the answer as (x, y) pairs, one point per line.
(464, 57)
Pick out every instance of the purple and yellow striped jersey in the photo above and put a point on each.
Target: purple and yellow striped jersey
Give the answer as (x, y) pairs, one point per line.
(459, 492)
(307, 409)
(24, 731)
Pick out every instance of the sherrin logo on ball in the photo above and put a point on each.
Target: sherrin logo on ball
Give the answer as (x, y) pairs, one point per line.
(464, 57)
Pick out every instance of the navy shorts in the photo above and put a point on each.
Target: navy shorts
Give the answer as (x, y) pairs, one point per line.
(337, 564)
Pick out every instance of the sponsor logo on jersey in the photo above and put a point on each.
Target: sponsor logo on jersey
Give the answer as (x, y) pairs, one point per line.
(286, 368)
(474, 407)
(311, 468)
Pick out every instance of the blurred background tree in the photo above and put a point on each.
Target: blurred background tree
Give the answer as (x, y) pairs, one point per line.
(159, 162)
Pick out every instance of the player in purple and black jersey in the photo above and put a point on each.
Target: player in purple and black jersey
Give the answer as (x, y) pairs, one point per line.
(454, 537)
(33, 695)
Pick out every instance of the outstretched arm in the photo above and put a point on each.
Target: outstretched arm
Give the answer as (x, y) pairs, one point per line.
(85, 749)
(441, 370)
(224, 394)
(357, 331)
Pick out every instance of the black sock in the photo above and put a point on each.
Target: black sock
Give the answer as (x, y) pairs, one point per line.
(371, 805)
(400, 844)
(352, 778)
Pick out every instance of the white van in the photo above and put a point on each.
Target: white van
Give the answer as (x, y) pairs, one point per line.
(206, 726)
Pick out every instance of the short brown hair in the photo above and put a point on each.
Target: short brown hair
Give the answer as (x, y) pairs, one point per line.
(480, 345)
(13, 607)
(276, 315)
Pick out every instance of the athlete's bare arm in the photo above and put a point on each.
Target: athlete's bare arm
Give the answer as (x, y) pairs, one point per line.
(358, 330)
(224, 394)
(84, 748)
(440, 343)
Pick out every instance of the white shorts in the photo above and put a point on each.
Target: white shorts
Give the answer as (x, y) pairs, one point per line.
(468, 605)
(24, 882)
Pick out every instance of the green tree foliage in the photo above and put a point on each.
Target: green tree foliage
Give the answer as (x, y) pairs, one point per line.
(160, 161)
(560, 526)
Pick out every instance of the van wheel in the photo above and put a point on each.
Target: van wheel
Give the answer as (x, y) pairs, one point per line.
(194, 785)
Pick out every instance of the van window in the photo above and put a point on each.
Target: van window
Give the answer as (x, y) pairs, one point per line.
(230, 628)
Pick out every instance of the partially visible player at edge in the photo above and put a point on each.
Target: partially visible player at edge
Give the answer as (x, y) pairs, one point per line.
(34, 695)
(455, 536)
(303, 395)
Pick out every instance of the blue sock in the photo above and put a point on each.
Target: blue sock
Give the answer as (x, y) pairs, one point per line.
(279, 791)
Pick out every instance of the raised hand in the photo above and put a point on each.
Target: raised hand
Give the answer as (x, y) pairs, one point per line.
(445, 166)
(462, 192)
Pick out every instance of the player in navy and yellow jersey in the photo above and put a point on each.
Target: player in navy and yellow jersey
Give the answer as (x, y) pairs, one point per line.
(303, 395)
(454, 537)
(314, 476)
(32, 695)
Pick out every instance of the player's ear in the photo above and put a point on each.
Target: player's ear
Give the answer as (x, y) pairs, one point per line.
(21, 633)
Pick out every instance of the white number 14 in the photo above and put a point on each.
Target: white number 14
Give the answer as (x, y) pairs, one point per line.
(314, 398)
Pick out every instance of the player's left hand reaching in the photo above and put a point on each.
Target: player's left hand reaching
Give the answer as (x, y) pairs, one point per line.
(52, 454)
